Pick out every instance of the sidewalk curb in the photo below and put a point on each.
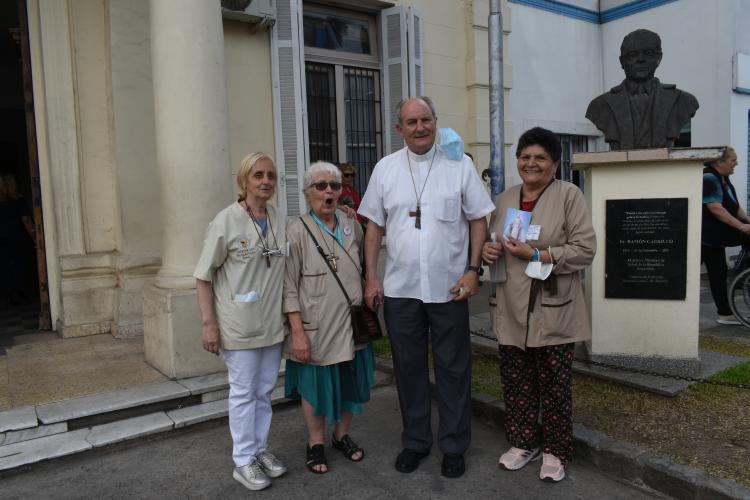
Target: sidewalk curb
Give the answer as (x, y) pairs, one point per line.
(621, 459)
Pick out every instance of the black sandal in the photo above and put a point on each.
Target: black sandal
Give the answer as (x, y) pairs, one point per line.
(316, 455)
(348, 447)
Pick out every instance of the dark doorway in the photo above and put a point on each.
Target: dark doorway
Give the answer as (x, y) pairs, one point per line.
(24, 301)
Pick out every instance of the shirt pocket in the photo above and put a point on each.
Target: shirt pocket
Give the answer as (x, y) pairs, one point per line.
(313, 284)
(246, 318)
(566, 286)
(448, 206)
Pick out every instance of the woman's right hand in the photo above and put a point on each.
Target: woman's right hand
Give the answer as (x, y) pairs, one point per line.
(211, 337)
(301, 346)
(491, 252)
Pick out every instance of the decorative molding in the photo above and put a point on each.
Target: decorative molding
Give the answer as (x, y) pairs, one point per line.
(563, 9)
(592, 16)
(631, 8)
(61, 124)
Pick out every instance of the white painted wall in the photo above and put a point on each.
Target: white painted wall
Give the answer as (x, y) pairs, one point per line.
(556, 72)
(248, 65)
(133, 124)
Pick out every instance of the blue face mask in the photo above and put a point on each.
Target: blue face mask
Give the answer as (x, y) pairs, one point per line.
(451, 143)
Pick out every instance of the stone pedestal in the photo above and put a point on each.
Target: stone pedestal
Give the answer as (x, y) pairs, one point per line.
(192, 144)
(173, 343)
(647, 333)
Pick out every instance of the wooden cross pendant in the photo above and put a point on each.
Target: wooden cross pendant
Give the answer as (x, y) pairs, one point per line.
(268, 261)
(332, 259)
(417, 214)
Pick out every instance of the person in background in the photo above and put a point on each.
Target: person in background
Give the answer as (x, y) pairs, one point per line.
(725, 224)
(540, 311)
(349, 195)
(239, 281)
(324, 368)
(16, 229)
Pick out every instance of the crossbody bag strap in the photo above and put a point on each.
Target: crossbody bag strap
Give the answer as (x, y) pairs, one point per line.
(323, 255)
(350, 257)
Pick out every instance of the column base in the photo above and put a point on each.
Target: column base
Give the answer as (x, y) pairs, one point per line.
(172, 334)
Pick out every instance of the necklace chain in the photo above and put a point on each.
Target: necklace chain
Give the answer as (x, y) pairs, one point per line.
(265, 243)
(414, 183)
(332, 258)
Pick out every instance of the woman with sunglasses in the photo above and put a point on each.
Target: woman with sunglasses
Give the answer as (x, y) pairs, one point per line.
(324, 368)
(239, 284)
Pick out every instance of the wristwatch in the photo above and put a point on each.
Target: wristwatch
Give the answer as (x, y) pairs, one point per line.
(476, 269)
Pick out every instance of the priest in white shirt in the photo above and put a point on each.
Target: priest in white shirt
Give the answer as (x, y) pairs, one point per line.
(430, 206)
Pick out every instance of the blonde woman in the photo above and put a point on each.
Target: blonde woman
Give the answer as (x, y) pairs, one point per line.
(240, 278)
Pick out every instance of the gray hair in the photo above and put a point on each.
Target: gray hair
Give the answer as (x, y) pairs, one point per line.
(319, 167)
(724, 155)
(422, 98)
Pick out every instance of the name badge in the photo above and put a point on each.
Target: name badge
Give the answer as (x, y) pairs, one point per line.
(533, 232)
(244, 246)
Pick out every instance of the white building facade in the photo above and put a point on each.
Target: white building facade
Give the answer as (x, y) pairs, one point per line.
(143, 110)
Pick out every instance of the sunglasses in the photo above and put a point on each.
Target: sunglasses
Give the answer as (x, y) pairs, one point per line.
(322, 185)
(350, 174)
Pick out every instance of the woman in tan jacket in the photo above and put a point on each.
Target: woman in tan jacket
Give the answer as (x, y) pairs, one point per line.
(239, 284)
(540, 311)
(324, 368)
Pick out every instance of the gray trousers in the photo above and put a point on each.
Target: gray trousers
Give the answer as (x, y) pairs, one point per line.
(411, 324)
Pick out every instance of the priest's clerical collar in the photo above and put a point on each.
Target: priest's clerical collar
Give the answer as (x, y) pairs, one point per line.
(635, 88)
(425, 157)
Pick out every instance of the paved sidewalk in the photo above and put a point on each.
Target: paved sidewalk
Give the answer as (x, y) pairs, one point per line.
(197, 464)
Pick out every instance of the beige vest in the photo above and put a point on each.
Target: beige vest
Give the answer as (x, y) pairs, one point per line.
(247, 292)
(311, 289)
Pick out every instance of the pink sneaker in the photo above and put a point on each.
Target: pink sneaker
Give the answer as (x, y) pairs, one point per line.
(552, 469)
(515, 458)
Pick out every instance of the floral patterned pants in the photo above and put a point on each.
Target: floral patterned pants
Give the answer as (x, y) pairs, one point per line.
(539, 381)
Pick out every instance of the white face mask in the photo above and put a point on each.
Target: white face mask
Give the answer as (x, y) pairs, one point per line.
(539, 270)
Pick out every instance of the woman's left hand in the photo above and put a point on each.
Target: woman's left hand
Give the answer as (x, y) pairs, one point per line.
(519, 249)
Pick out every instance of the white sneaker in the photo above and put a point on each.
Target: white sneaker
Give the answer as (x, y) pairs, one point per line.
(272, 466)
(515, 458)
(552, 469)
(728, 320)
(252, 476)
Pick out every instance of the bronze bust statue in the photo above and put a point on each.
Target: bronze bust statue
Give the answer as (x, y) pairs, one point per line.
(641, 112)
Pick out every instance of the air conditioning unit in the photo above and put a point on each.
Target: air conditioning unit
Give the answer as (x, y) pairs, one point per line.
(262, 12)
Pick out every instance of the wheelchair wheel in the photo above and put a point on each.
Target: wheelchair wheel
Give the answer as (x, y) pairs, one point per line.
(739, 297)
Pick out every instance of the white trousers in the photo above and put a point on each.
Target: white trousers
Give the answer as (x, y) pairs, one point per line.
(252, 377)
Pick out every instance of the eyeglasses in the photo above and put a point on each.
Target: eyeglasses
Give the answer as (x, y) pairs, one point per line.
(322, 185)
(349, 174)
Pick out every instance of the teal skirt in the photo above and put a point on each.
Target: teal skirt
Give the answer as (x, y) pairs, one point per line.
(333, 389)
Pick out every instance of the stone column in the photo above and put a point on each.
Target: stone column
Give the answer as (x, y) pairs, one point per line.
(192, 144)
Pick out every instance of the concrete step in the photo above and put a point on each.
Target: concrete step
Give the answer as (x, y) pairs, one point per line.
(43, 432)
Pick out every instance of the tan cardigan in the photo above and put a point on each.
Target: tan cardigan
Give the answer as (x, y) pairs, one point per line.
(559, 313)
(311, 289)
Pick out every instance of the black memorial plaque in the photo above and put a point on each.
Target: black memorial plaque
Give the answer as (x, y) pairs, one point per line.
(646, 249)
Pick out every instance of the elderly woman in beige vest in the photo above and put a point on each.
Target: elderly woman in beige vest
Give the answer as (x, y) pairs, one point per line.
(239, 284)
(324, 368)
(540, 311)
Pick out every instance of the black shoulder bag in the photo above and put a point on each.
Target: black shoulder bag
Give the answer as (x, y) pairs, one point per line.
(365, 325)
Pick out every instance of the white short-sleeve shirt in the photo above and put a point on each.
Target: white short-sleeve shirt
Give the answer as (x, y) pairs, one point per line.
(425, 263)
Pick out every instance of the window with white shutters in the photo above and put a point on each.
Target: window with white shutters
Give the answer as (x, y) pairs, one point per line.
(402, 39)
